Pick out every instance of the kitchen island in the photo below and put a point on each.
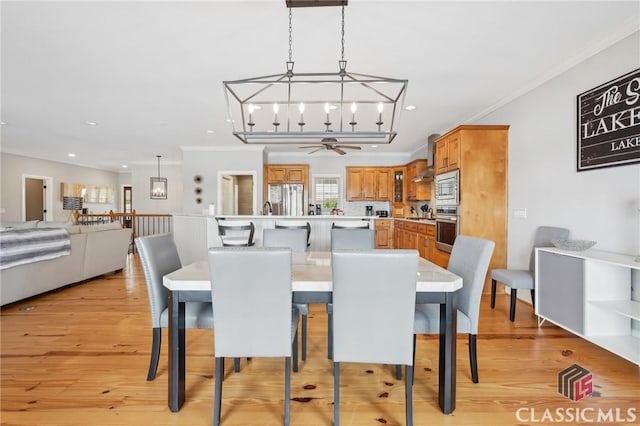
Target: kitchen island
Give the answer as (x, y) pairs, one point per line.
(194, 234)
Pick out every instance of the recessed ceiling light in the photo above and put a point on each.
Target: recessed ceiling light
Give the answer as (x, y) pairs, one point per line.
(211, 131)
(91, 123)
(3, 123)
(71, 155)
(124, 166)
(410, 107)
(374, 146)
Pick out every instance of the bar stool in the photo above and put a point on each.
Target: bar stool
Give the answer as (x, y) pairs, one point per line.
(236, 233)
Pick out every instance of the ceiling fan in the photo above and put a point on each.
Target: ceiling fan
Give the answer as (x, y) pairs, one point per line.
(327, 144)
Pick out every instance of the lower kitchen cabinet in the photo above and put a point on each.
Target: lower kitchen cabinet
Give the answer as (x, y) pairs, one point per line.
(384, 233)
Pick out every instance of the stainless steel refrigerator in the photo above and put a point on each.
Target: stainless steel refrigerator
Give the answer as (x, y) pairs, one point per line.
(287, 199)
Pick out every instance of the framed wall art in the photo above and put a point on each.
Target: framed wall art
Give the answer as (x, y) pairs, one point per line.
(609, 123)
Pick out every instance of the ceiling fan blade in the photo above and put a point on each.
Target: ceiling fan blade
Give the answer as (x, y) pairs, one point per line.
(311, 146)
(317, 149)
(348, 147)
(338, 150)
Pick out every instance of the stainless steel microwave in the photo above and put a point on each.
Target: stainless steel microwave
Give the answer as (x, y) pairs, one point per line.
(447, 188)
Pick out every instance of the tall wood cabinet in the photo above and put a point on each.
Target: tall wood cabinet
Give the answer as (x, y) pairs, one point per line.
(480, 152)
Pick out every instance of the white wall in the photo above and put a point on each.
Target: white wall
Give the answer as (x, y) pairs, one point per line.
(14, 166)
(207, 162)
(599, 204)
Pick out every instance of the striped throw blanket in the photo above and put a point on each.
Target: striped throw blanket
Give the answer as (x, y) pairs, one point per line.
(20, 246)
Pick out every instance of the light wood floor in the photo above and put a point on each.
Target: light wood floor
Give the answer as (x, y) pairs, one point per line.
(79, 356)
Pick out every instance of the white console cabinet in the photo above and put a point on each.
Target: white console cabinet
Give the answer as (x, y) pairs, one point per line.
(589, 293)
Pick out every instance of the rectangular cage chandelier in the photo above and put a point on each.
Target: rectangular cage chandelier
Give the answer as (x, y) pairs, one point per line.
(308, 108)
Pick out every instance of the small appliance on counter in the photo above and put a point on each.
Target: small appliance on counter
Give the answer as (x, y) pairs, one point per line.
(312, 210)
(369, 210)
(318, 209)
(382, 213)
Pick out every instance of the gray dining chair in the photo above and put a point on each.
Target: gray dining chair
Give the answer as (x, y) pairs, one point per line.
(236, 233)
(289, 224)
(352, 238)
(252, 296)
(524, 279)
(159, 257)
(347, 238)
(366, 284)
(362, 224)
(469, 260)
(296, 239)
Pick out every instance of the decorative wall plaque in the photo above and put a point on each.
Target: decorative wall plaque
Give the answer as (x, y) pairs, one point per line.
(609, 123)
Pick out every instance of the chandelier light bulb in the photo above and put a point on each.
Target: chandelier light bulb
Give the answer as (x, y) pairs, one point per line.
(301, 108)
(251, 108)
(276, 108)
(380, 122)
(327, 108)
(353, 121)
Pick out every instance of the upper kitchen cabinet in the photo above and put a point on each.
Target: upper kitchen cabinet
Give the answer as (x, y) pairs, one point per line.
(286, 173)
(417, 191)
(368, 184)
(447, 153)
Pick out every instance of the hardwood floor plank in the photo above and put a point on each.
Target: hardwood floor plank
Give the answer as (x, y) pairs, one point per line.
(79, 356)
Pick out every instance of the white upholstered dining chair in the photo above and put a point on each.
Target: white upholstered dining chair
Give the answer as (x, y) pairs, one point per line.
(252, 296)
(524, 279)
(469, 259)
(296, 239)
(367, 283)
(159, 257)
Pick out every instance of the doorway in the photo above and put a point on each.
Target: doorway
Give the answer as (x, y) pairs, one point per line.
(37, 198)
(237, 193)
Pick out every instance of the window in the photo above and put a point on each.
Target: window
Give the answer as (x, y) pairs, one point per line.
(326, 190)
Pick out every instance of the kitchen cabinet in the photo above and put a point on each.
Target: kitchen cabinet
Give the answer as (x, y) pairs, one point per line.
(368, 184)
(447, 154)
(481, 154)
(590, 294)
(398, 189)
(384, 233)
(286, 173)
(417, 191)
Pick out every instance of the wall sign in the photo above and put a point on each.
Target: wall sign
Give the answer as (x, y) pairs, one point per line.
(609, 123)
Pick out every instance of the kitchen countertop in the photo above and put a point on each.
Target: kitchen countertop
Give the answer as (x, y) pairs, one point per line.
(308, 217)
(417, 219)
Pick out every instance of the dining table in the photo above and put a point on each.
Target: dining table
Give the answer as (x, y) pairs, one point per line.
(312, 283)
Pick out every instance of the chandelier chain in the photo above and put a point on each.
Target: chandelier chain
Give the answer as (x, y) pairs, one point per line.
(290, 37)
(342, 34)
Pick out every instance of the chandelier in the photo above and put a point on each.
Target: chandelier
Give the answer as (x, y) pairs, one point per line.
(307, 108)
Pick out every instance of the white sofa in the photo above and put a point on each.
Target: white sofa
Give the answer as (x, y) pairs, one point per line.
(95, 250)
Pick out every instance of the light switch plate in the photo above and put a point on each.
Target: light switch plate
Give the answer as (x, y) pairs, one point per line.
(520, 213)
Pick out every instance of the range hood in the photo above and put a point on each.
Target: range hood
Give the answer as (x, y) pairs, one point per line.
(427, 175)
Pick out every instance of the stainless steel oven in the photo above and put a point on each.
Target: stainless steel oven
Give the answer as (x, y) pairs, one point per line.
(447, 189)
(447, 227)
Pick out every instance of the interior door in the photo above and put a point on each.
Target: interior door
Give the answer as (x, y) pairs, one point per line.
(35, 202)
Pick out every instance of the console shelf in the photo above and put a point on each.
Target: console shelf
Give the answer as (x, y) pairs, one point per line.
(590, 294)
